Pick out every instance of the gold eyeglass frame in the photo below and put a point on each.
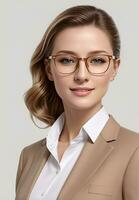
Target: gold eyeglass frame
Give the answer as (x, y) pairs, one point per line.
(111, 57)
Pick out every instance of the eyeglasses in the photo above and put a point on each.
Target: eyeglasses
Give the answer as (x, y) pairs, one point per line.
(97, 64)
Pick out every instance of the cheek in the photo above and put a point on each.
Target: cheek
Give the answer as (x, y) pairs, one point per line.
(102, 84)
(60, 86)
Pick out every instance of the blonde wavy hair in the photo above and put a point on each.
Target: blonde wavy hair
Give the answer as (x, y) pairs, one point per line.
(42, 99)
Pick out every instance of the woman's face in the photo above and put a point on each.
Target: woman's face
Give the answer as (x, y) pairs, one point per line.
(81, 41)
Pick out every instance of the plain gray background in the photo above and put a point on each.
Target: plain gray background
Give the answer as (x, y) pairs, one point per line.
(23, 23)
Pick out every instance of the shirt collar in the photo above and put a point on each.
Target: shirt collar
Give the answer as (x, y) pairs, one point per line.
(95, 124)
(91, 128)
(53, 134)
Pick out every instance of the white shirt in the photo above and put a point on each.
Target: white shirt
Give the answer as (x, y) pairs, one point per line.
(55, 173)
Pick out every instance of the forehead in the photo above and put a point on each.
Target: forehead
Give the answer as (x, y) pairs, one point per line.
(82, 39)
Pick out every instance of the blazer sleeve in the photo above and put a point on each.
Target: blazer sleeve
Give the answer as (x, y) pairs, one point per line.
(131, 178)
(19, 169)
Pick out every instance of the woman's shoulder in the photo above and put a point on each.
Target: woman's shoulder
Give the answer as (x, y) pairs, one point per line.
(34, 147)
(129, 137)
(129, 133)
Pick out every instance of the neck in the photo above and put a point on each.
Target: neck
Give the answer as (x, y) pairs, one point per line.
(74, 120)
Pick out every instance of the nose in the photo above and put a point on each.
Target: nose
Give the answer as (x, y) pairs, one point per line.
(81, 74)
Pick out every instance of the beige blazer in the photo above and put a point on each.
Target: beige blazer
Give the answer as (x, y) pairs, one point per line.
(105, 170)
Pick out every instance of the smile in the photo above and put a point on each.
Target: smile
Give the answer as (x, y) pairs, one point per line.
(82, 92)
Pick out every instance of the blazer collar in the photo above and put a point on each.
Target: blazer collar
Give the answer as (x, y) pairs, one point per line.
(111, 130)
(91, 158)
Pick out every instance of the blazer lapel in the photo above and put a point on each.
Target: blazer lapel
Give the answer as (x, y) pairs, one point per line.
(91, 158)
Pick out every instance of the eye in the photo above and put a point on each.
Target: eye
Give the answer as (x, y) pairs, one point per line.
(65, 60)
(99, 60)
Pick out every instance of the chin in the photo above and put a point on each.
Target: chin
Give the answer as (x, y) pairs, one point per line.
(84, 106)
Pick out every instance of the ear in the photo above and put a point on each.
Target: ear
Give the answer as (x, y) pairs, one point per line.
(115, 69)
(48, 70)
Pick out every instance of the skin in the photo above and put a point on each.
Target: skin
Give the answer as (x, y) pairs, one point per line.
(78, 110)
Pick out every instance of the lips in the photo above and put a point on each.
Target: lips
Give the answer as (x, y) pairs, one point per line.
(80, 92)
(82, 89)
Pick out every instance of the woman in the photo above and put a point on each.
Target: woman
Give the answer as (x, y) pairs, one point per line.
(86, 155)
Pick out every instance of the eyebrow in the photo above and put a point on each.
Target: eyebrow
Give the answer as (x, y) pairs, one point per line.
(74, 53)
